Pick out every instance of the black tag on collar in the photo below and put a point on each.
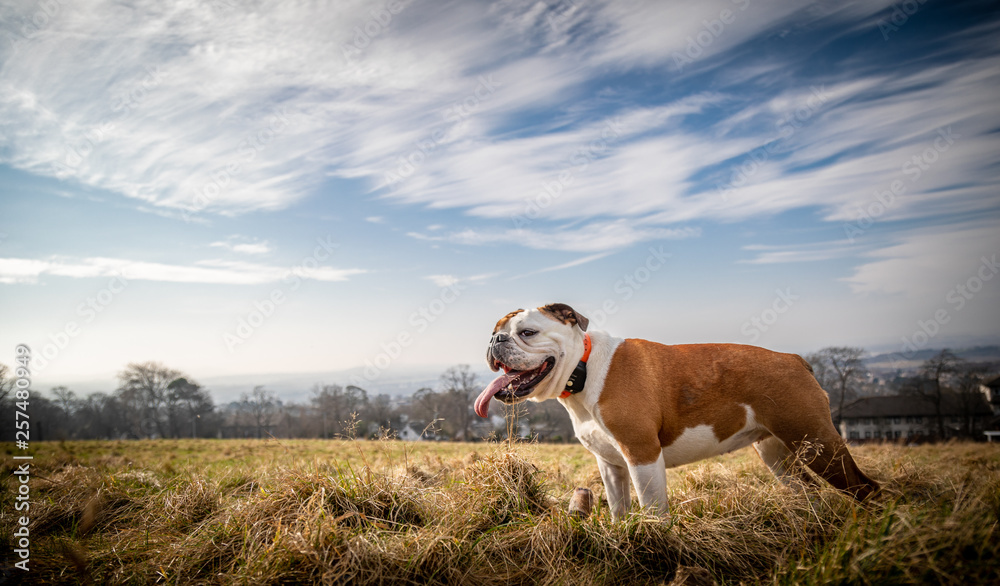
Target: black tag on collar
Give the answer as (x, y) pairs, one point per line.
(578, 379)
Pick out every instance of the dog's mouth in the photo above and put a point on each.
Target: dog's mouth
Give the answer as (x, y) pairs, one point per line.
(512, 385)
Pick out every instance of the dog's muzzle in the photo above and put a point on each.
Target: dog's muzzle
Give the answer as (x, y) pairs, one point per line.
(494, 353)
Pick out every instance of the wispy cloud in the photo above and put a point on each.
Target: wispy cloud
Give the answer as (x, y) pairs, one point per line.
(452, 280)
(566, 265)
(770, 254)
(442, 280)
(19, 270)
(243, 246)
(596, 236)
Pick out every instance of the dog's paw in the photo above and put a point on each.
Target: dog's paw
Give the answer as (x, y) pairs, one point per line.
(581, 503)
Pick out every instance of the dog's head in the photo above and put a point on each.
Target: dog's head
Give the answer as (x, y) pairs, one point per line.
(537, 351)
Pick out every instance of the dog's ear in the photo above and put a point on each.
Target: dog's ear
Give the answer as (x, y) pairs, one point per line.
(566, 314)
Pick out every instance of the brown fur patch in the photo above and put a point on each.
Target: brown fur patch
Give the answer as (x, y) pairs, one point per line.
(503, 320)
(653, 392)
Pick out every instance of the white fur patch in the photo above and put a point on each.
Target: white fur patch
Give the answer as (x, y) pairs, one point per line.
(699, 442)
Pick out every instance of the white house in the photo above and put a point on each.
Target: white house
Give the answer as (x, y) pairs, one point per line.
(913, 417)
(408, 434)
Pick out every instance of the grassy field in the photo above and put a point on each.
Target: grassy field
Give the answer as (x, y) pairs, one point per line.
(294, 511)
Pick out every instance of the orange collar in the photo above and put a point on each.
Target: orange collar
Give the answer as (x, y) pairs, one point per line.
(578, 379)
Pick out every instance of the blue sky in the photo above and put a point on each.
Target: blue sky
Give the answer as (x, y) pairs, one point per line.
(242, 188)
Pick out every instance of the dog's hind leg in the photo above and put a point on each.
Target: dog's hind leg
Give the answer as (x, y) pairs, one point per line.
(804, 426)
(822, 449)
(835, 464)
(781, 461)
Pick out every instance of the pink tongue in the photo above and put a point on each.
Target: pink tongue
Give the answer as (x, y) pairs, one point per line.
(483, 402)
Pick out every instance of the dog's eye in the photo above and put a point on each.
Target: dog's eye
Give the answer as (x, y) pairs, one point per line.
(527, 333)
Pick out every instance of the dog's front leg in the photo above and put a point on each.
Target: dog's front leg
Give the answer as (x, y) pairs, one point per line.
(615, 487)
(650, 482)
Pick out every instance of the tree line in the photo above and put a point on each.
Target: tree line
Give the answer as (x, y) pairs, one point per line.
(155, 401)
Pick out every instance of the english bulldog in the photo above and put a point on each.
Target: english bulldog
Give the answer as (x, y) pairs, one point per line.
(641, 407)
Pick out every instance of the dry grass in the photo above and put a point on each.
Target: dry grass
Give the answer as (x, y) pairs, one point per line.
(231, 512)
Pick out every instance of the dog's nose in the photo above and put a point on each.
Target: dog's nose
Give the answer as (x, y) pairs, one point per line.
(500, 338)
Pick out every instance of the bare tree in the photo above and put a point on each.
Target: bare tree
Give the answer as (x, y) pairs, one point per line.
(294, 419)
(67, 402)
(100, 417)
(969, 382)
(931, 384)
(6, 382)
(172, 406)
(381, 412)
(336, 405)
(459, 384)
(65, 398)
(261, 405)
(427, 404)
(839, 370)
(821, 369)
(322, 402)
(44, 414)
(187, 402)
(142, 391)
